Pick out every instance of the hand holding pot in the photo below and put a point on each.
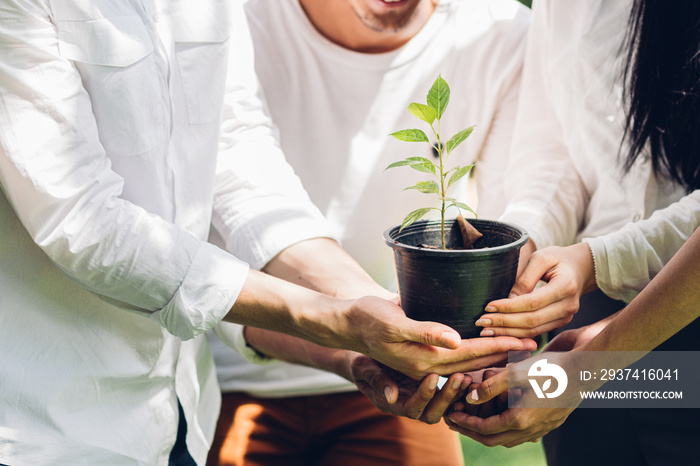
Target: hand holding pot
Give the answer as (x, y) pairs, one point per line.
(380, 329)
(529, 311)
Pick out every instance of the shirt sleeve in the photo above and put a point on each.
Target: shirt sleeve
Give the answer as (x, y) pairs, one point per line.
(260, 205)
(510, 50)
(628, 259)
(57, 177)
(234, 337)
(547, 196)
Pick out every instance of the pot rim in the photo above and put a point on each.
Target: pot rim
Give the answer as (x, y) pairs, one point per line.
(491, 251)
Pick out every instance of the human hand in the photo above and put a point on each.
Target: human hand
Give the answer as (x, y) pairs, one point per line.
(394, 393)
(381, 330)
(496, 405)
(577, 337)
(484, 416)
(530, 311)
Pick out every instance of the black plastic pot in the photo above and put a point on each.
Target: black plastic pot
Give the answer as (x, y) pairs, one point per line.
(453, 286)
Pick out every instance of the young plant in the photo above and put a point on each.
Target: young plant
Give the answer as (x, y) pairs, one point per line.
(438, 98)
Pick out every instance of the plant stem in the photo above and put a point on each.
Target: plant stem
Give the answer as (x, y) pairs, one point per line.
(442, 188)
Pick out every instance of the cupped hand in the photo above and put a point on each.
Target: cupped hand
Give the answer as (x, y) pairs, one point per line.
(417, 348)
(394, 393)
(508, 428)
(530, 310)
(485, 415)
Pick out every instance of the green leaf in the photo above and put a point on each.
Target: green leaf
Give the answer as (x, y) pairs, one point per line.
(459, 173)
(424, 112)
(418, 163)
(411, 135)
(458, 138)
(415, 216)
(425, 167)
(439, 96)
(428, 187)
(463, 206)
(400, 163)
(419, 159)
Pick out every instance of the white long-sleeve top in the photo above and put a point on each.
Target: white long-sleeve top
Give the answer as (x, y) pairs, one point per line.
(565, 176)
(111, 166)
(335, 109)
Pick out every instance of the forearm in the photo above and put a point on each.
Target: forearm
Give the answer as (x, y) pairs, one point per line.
(297, 351)
(270, 303)
(297, 308)
(322, 265)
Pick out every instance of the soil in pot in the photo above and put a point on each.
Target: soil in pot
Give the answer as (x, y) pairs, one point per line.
(453, 286)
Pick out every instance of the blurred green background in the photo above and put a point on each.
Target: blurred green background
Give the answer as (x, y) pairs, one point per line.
(527, 454)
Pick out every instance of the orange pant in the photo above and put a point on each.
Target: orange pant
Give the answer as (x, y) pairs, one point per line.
(336, 430)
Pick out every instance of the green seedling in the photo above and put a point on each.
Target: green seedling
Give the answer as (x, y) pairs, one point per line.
(438, 98)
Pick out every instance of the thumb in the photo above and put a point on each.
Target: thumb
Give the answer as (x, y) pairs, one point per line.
(432, 333)
(537, 266)
(489, 389)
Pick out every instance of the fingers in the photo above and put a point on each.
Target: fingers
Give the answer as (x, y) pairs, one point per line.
(450, 392)
(533, 438)
(374, 379)
(416, 404)
(526, 332)
(547, 308)
(490, 388)
(470, 424)
(477, 353)
(558, 289)
(537, 266)
(432, 333)
(476, 347)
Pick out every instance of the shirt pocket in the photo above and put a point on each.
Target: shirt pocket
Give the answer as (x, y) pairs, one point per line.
(201, 32)
(115, 58)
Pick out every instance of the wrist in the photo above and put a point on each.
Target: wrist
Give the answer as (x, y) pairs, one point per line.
(586, 266)
(325, 321)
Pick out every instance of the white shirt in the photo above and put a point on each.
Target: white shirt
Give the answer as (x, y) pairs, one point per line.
(335, 109)
(109, 132)
(564, 174)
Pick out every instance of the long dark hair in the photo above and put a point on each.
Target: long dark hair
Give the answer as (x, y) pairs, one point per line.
(662, 88)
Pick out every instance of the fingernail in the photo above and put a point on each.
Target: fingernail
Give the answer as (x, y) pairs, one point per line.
(473, 396)
(387, 393)
(456, 383)
(487, 333)
(484, 322)
(490, 309)
(512, 295)
(433, 383)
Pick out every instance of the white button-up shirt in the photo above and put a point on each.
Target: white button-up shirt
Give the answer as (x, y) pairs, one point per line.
(565, 175)
(112, 170)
